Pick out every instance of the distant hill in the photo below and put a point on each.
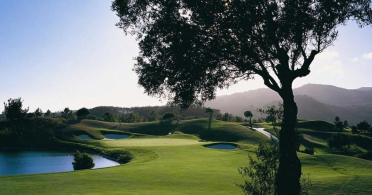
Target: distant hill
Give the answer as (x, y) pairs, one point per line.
(365, 89)
(322, 102)
(337, 96)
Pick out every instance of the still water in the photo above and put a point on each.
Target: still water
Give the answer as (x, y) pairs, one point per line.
(13, 162)
(221, 146)
(116, 136)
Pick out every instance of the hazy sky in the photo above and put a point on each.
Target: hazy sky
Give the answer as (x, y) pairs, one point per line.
(56, 54)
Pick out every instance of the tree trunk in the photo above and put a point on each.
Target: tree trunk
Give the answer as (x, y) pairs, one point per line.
(250, 121)
(289, 172)
(210, 121)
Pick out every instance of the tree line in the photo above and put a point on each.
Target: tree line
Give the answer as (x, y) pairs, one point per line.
(14, 110)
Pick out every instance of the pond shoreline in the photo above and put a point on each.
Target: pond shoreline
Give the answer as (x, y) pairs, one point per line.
(39, 161)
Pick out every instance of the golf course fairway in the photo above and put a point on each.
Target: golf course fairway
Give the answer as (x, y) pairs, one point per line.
(180, 164)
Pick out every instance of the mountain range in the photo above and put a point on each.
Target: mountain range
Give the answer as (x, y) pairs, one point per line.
(314, 101)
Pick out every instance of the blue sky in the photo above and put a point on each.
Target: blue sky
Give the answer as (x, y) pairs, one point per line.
(57, 54)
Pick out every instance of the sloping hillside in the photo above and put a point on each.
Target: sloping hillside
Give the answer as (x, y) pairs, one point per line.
(313, 101)
(337, 96)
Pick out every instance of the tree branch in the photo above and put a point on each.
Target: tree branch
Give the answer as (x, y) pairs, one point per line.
(304, 70)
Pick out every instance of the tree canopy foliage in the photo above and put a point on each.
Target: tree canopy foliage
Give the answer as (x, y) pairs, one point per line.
(67, 113)
(168, 116)
(38, 112)
(340, 141)
(108, 117)
(188, 48)
(363, 126)
(48, 113)
(339, 124)
(249, 115)
(82, 113)
(262, 170)
(13, 110)
(82, 161)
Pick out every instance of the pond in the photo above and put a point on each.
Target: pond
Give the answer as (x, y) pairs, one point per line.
(115, 136)
(221, 146)
(13, 162)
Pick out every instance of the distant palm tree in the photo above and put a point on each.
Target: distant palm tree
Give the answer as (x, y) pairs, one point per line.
(249, 115)
(210, 112)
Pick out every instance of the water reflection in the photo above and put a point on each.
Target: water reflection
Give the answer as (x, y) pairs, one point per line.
(38, 161)
(221, 146)
(116, 136)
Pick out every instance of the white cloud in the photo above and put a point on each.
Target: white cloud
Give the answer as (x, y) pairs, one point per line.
(327, 64)
(356, 59)
(367, 56)
(327, 55)
(333, 68)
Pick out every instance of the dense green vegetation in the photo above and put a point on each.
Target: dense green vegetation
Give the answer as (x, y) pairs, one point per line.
(146, 113)
(82, 161)
(317, 133)
(165, 164)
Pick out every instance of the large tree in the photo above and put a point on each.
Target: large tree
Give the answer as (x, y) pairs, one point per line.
(13, 110)
(82, 113)
(189, 48)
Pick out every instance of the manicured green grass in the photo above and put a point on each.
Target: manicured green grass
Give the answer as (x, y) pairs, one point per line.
(151, 142)
(220, 131)
(179, 164)
(316, 134)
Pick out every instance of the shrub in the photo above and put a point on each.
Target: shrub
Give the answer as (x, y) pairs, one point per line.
(91, 117)
(261, 171)
(366, 155)
(30, 115)
(363, 126)
(122, 156)
(308, 151)
(109, 117)
(169, 116)
(238, 119)
(125, 158)
(264, 170)
(340, 141)
(82, 161)
(354, 130)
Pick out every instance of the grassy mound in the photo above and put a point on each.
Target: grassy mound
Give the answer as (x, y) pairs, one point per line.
(317, 125)
(316, 134)
(220, 131)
